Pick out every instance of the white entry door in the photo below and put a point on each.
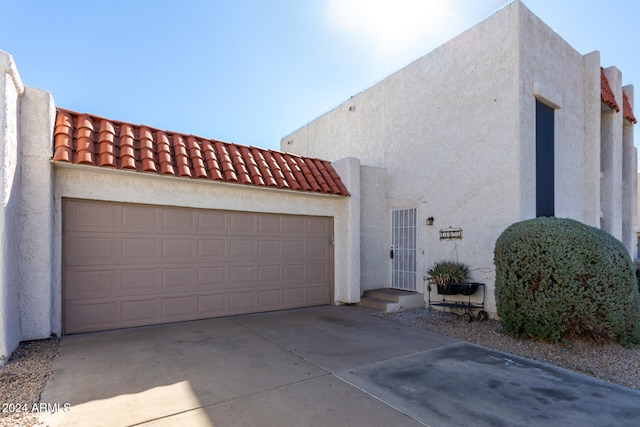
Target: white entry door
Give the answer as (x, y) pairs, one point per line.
(403, 249)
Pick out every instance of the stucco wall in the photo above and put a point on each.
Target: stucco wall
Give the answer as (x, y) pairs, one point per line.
(37, 116)
(629, 171)
(26, 126)
(374, 224)
(440, 132)
(611, 159)
(88, 182)
(11, 90)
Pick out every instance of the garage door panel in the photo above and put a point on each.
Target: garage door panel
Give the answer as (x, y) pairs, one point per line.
(178, 248)
(178, 307)
(140, 280)
(295, 249)
(92, 316)
(177, 277)
(242, 223)
(95, 216)
(294, 297)
(176, 220)
(91, 249)
(272, 298)
(270, 248)
(242, 248)
(139, 311)
(137, 218)
(133, 265)
(91, 282)
(317, 294)
(294, 272)
(212, 222)
(242, 275)
(212, 248)
(269, 274)
(269, 224)
(212, 277)
(140, 248)
(212, 305)
(242, 301)
(317, 272)
(318, 227)
(294, 226)
(318, 249)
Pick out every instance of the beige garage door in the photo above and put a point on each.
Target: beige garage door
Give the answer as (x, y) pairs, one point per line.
(131, 265)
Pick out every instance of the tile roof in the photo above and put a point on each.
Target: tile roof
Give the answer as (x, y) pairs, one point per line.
(627, 110)
(606, 93)
(96, 141)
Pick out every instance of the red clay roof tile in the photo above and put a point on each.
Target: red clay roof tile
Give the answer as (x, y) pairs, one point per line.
(62, 138)
(627, 110)
(240, 167)
(298, 173)
(182, 159)
(213, 165)
(225, 161)
(106, 147)
(606, 93)
(91, 140)
(164, 154)
(288, 174)
(274, 167)
(263, 168)
(127, 151)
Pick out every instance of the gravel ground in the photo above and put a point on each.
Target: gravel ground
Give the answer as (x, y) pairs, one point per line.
(610, 362)
(25, 374)
(22, 380)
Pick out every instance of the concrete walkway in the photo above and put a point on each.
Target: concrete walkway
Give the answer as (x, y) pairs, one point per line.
(324, 366)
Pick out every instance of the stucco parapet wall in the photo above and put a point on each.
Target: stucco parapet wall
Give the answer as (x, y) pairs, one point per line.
(8, 66)
(187, 180)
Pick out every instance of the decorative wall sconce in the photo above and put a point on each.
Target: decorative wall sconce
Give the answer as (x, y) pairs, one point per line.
(430, 220)
(451, 233)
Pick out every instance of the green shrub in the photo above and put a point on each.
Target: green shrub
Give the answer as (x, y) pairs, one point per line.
(557, 278)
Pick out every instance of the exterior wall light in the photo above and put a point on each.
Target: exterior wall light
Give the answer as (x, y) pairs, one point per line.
(430, 220)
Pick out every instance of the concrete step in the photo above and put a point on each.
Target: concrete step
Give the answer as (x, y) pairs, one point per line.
(378, 304)
(388, 294)
(389, 300)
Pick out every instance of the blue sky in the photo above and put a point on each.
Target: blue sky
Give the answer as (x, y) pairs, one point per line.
(252, 71)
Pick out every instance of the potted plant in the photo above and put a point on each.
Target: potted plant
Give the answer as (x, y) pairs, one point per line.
(449, 277)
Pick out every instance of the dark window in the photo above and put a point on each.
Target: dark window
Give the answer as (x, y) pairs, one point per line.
(544, 160)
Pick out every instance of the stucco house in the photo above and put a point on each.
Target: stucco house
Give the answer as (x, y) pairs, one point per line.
(503, 123)
(106, 224)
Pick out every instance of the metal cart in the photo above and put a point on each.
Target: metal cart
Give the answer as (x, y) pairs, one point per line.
(465, 289)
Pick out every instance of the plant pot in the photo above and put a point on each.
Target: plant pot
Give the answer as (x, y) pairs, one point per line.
(468, 288)
(450, 289)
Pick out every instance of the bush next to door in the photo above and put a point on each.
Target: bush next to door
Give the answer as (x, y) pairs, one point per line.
(557, 278)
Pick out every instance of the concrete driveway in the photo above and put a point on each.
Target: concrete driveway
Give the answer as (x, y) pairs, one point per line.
(324, 366)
